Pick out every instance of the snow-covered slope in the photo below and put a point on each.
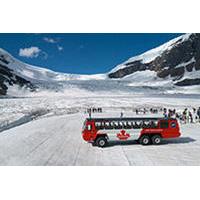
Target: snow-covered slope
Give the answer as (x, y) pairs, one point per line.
(36, 74)
(177, 61)
(152, 54)
(17, 77)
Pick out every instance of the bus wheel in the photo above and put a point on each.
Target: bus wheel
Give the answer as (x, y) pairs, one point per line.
(145, 140)
(156, 139)
(101, 142)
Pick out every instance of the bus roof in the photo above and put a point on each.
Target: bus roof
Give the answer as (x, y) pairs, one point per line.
(127, 119)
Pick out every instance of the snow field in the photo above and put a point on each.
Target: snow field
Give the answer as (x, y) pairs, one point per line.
(57, 141)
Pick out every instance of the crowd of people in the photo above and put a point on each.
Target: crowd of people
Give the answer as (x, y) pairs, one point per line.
(93, 110)
(186, 116)
(191, 115)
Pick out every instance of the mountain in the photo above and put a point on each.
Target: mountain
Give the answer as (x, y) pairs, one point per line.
(175, 63)
(16, 73)
(178, 60)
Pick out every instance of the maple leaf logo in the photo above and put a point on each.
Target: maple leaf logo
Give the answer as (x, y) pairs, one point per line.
(123, 135)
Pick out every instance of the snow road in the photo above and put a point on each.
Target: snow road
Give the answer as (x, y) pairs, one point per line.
(57, 141)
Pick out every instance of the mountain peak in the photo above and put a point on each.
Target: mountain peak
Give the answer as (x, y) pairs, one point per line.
(171, 60)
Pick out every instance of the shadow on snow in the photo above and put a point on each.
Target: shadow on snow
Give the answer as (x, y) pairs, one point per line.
(181, 140)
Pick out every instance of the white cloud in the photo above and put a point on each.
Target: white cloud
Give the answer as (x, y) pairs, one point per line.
(31, 52)
(60, 48)
(50, 40)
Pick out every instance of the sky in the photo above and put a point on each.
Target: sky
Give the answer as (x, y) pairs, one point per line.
(80, 53)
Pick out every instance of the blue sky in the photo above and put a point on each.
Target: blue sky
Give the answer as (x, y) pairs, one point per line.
(80, 53)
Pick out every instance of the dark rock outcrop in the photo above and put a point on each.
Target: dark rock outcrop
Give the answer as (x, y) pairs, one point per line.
(8, 77)
(187, 52)
(188, 82)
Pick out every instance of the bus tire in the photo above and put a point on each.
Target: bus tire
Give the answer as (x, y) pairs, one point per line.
(156, 139)
(101, 142)
(145, 140)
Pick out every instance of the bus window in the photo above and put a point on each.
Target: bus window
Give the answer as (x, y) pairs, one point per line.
(116, 125)
(97, 125)
(102, 125)
(112, 125)
(108, 125)
(135, 125)
(164, 124)
(132, 125)
(128, 125)
(121, 125)
(153, 124)
(89, 127)
(124, 125)
(173, 125)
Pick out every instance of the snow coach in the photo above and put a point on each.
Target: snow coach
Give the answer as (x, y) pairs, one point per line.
(99, 131)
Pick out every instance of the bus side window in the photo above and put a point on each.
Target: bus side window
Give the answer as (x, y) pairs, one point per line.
(102, 125)
(152, 124)
(107, 125)
(98, 125)
(128, 125)
(164, 124)
(124, 125)
(116, 125)
(120, 125)
(135, 125)
(173, 125)
(112, 125)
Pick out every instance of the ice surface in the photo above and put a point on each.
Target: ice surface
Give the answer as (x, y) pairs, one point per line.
(57, 141)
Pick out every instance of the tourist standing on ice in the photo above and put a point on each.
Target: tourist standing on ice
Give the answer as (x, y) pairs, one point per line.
(121, 114)
(185, 115)
(194, 114)
(165, 113)
(191, 117)
(198, 114)
(89, 112)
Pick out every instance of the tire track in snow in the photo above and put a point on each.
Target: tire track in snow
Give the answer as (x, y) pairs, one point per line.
(125, 155)
(47, 140)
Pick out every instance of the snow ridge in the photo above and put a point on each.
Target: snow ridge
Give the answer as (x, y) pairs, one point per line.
(39, 74)
(150, 55)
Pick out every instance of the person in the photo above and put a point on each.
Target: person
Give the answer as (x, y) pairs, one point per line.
(184, 115)
(194, 113)
(198, 114)
(170, 113)
(121, 114)
(190, 117)
(89, 112)
(165, 113)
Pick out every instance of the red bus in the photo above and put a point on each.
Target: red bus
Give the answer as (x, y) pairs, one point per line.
(100, 131)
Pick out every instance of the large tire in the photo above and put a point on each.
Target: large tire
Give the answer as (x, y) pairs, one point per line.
(156, 139)
(101, 142)
(145, 140)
